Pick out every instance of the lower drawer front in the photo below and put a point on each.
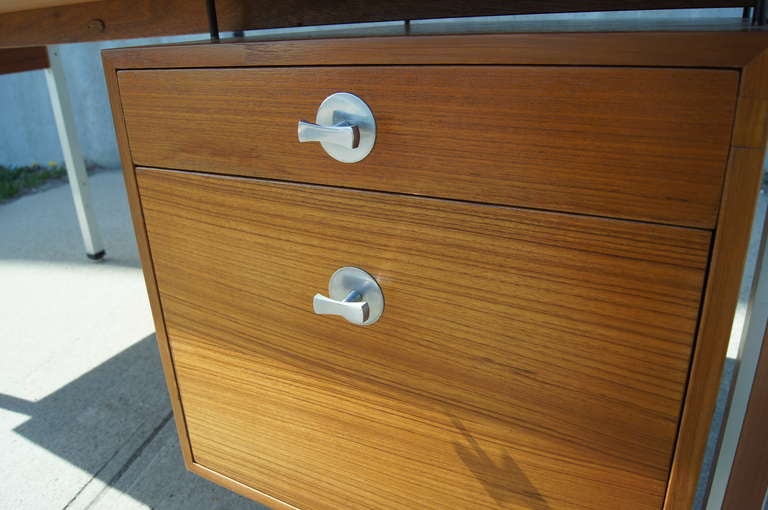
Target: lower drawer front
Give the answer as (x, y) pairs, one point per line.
(524, 359)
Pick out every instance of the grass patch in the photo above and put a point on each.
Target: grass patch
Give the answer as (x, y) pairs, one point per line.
(16, 180)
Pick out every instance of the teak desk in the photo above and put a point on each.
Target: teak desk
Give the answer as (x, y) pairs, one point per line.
(557, 222)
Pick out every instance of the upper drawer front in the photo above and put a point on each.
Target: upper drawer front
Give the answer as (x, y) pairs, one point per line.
(640, 143)
(524, 359)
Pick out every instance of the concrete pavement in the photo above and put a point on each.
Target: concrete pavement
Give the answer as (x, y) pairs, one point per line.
(85, 420)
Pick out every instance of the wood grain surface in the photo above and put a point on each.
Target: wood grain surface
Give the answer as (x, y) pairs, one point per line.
(145, 254)
(524, 359)
(729, 251)
(661, 48)
(648, 144)
(103, 20)
(25, 5)
(41, 22)
(14, 60)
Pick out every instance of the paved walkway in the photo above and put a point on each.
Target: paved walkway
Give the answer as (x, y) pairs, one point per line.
(85, 421)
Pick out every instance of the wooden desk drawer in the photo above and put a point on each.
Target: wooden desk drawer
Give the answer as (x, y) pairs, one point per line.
(638, 143)
(552, 218)
(524, 359)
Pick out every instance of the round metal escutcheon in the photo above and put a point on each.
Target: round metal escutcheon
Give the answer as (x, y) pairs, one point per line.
(348, 279)
(345, 107)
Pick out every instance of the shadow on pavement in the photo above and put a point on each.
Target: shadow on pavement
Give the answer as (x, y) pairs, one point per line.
(115, 422)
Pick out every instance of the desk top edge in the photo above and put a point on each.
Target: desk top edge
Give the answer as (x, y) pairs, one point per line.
(704, 49)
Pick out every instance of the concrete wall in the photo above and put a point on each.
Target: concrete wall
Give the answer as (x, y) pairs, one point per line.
(27, 129)
(28, 133)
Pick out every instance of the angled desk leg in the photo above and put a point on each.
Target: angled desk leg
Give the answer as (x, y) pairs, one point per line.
(730, 489)
(73, 158)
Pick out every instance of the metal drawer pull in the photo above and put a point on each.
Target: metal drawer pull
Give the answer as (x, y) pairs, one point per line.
(354, 295)
(344, 126)
(351, 308)
(342, 134)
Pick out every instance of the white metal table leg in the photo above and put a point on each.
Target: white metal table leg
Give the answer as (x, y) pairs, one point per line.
(73, 157)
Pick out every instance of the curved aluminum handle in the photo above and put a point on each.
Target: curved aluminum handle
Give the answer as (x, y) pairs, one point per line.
(353, 294)
(342, 134)
(351, 307)
(344, 127)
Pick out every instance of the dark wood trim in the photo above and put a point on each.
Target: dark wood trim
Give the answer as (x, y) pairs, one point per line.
(749, 474)
(685, 49)
(742, 184)
(146, 261)
(121, 19)
(14, 60)
(104, 20)
(267, 14)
